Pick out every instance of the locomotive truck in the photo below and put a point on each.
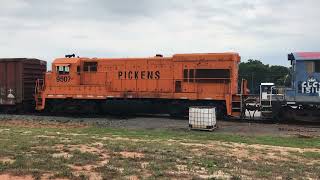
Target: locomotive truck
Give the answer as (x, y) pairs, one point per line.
(142, 85)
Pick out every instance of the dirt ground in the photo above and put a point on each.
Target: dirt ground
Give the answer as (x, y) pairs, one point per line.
(164, 122)
(45, 147)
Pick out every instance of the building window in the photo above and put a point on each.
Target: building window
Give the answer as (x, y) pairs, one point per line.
(90, 66)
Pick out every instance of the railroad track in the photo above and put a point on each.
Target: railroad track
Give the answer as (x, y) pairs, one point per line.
(62, 117)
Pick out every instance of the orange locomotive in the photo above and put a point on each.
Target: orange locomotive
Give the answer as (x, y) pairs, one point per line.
(159, 83)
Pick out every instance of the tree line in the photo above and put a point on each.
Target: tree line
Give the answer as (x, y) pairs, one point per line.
(256, 72)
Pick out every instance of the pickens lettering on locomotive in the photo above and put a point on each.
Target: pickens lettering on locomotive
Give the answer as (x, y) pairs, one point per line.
(139, 74)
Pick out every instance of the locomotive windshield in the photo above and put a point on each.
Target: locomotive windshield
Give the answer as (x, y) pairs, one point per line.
(63, 69)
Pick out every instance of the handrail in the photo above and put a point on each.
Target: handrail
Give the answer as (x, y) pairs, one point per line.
(39, 86)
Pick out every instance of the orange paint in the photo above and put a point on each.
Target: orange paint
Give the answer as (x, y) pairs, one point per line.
(212, 76)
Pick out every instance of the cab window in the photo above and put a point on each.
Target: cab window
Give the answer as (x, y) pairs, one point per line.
(317, 66)
(309, 66)
(312, 66)
(62, 70)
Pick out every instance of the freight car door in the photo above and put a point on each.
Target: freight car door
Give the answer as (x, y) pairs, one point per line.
(8, 82)
(2, 82)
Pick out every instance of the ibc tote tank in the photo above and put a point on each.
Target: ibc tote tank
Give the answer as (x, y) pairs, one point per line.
(202, 117)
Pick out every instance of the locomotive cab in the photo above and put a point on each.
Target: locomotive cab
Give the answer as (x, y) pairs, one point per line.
(65, 72)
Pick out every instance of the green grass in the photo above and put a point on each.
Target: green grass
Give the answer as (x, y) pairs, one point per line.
(205, 136)
(308, 155)
(109, 172)
(180, 135)
(162, 150)
(65, 173)
(82, 158)
(311, 155)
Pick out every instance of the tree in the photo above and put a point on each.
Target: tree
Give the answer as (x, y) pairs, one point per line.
(256, 72)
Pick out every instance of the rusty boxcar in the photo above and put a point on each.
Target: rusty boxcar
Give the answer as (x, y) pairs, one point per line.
(17, 82)
(159, 84)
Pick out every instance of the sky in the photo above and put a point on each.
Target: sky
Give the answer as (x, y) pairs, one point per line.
(257, 29)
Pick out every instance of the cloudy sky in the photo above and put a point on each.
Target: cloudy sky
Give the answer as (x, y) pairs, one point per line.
(258, 29)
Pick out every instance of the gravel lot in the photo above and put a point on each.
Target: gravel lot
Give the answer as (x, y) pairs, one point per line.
(164, 122)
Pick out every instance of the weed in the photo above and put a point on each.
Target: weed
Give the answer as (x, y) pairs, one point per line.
(65, 173)
(235, 177)
(83, 158)
(311, 155)
(157, 169)
(209, 164)
(36, 175)
(3, 166)
(109, 172)
(82, 177)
